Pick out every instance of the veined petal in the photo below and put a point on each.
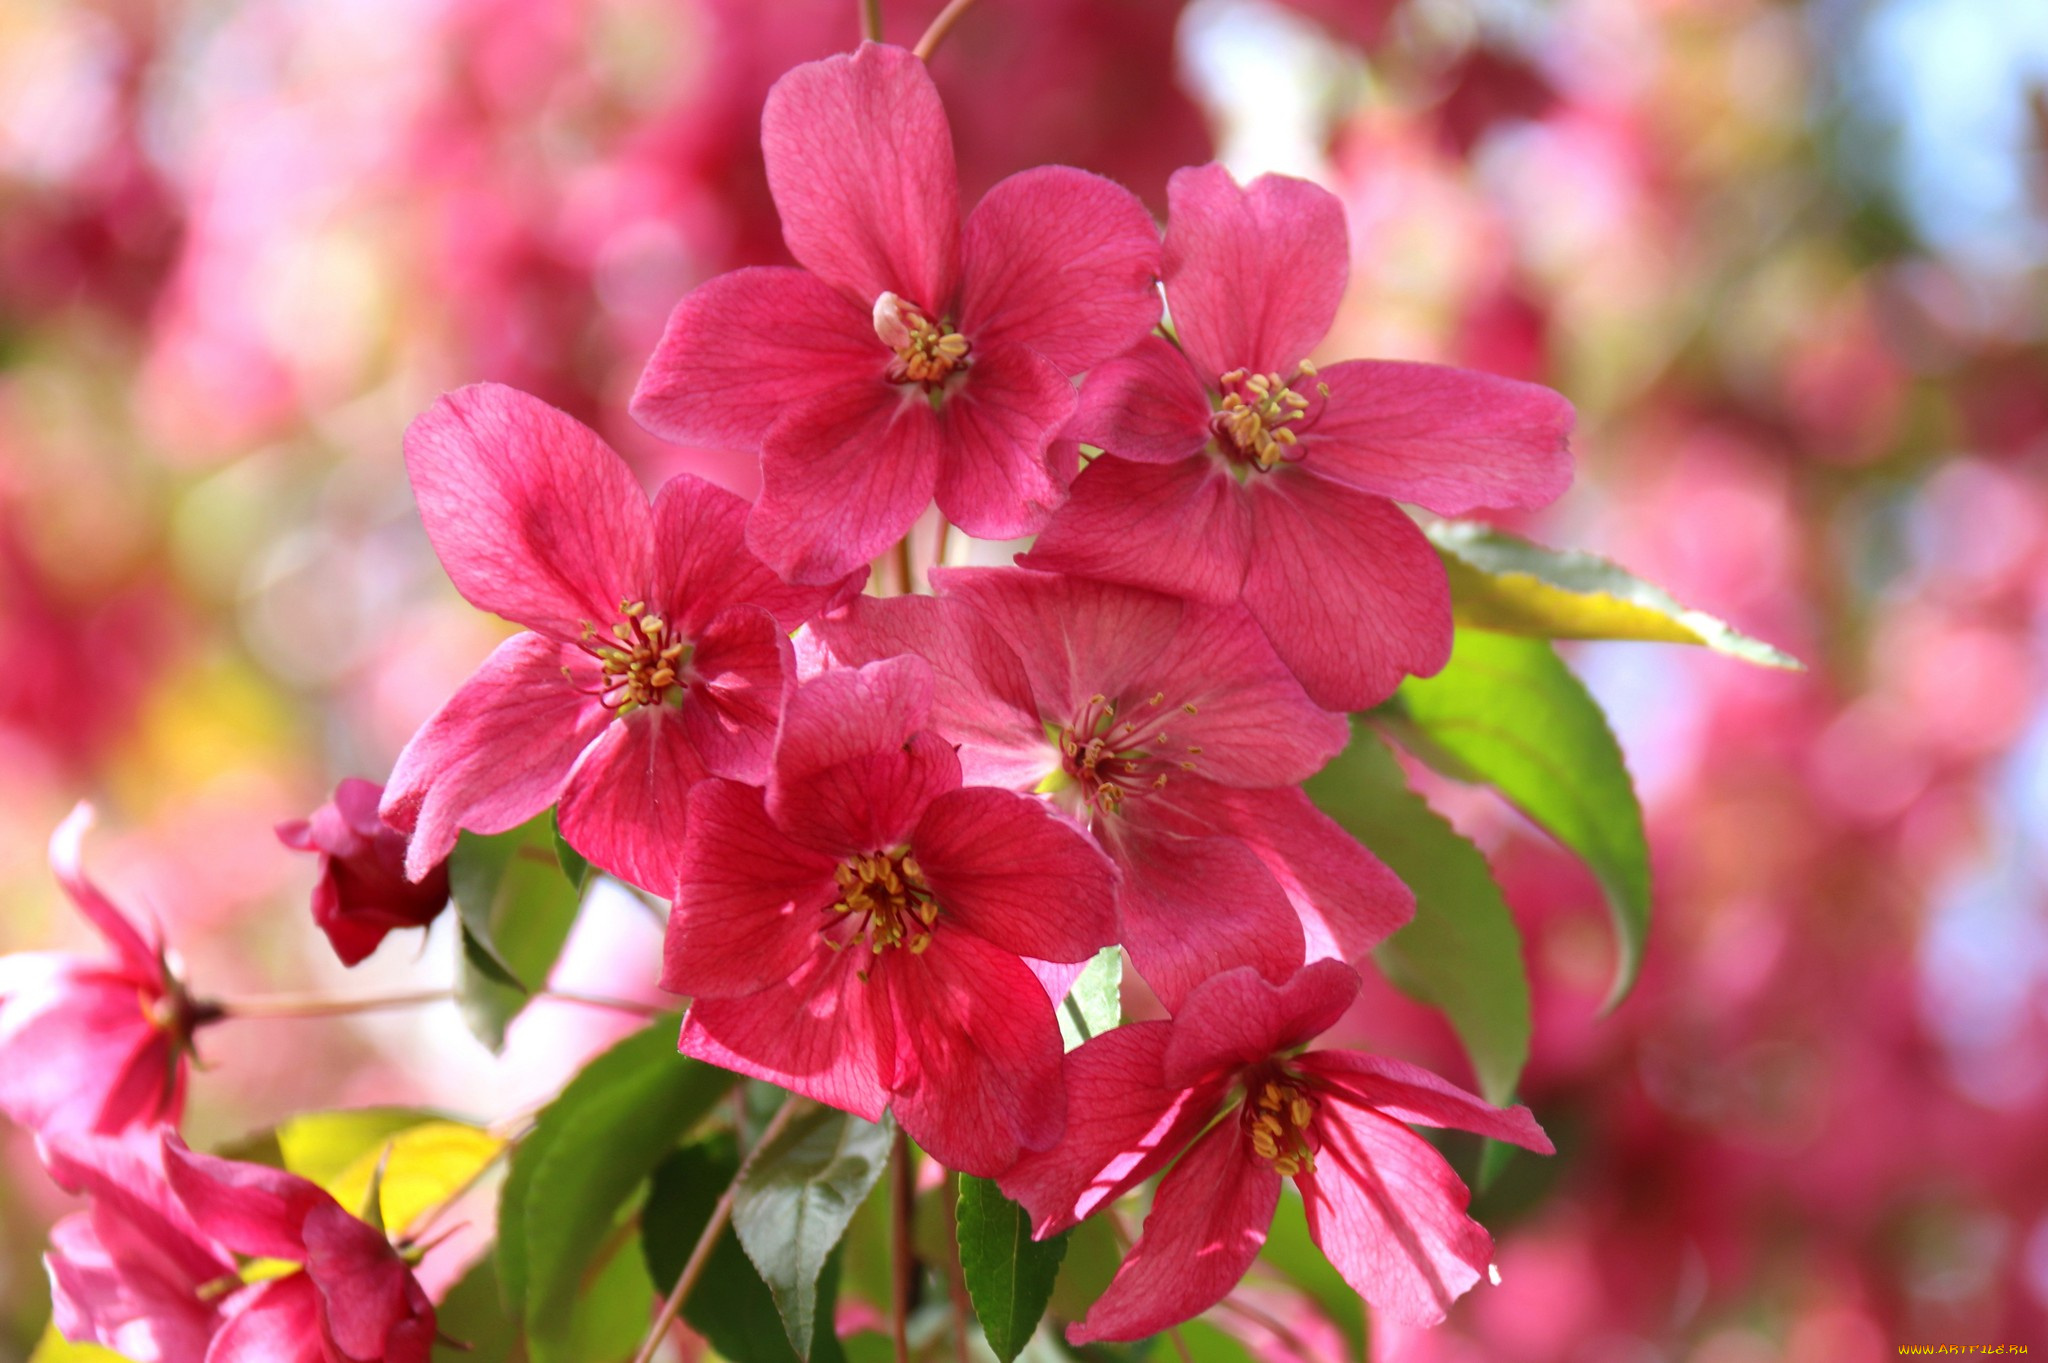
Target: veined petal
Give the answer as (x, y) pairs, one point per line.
(995, 481)
(1241, 707)
(1348, 590)
(1005, 868)
(534, 517)
(627, 797)
(1253, 275)
(1238, 1018)
(1448, 439)
(498, 752)
(1208, 1222)
(1409, 1093)
(250, 1208)
(744, 343)
(870, 802)
(702, 565)
(370, 1303)
(850, 712)
(739, 676)
(860, 161)
(1062, 261)
(813, 1034)
(750, 902)
(1184, 529)
(1146, 405)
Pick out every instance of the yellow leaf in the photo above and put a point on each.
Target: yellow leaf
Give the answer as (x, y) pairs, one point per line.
(428, 1164)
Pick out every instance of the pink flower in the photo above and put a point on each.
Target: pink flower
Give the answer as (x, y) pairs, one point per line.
(1174, 733)
(864, 930)
(1239, 471)
(912, 356)
(150, 1270)
(1381, 1202)
(658, 649)
(362, 892)
(90, 1045)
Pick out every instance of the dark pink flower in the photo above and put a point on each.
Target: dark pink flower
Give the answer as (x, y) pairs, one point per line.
(864, 930)
(1381, 1202)
(362, 892)
(1175, 734)
(94, 1046)
(912, 356)
(658, 651)
(1236, 470)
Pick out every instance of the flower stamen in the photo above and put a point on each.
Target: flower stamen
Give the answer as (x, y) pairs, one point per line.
(886, 898)
(643, 663)
(1258, 413)
(1277, 1117)
(926, 351)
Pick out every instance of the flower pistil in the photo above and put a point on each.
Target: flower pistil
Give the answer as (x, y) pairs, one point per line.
(926, 351)
(644, 665)
(1258, 412)
(886, 896)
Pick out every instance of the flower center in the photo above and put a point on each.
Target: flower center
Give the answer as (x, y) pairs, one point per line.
(1111, 756)
(1257, 414)
(883, 895)
(926, 351)
(643, 660)
(1277, 1114)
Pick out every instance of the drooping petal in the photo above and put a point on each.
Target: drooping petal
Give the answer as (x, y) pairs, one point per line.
(1409, 1093)
(742, 337)
(1184, 529)
(741, 671)
(1448, 439)
(860, 161)
(1348, 590)
(250, 1208)
(813, 1034)
(1193, 906)
(977, 1049)
(995, 481)
(1126, 1124)
(137, 1214)
(1390, 1214)
(80, 1055)
(498, 752)
(67, 861)
(751, 902)
(534, 517)
(102, 1293)
(1004, 867)
(1062, 261)
(627, 797)
(1208, 1222)
(1146, 405)
(369, 1298)
(843, 475)
(1253, 275)
(1238, 1018)
(702, 565)
(272, 1322)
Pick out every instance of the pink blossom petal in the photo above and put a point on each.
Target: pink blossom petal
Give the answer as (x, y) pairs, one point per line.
(370, 1300)
(1184, 529)
(745, 334)
(273, 1322)
(1005, 868)
(995, 481)
(1241, 708)
(977, 1075)
(1193, 906)
(1253, 276)
(849, 713)
(843, 475)
(1347, 589)
(123, 1297)
(67, 860)
(869, 803)
(82, 1056)
(1238, 1018)
(860, 161)
(1409, 1093)
(813, 1034)
(1128, 1124)
(1062, 261)
(626, 799)
(250, 1208)
(1146, 405)
(751, 902)
(1208, 1222)
(1448, 439)
(133, 1207)
(1390, 1214)
(534, 517)
(740, 673)
(498, 752)
(703, 566)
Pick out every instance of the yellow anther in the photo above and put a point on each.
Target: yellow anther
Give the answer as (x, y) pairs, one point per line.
(887, 893)
(1277, 1118)
(926, 352)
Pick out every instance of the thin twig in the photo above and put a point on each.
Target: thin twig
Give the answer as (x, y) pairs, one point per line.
(324, 1005)
(903, 1205)
(956, 1280)
(645, 1010)
(871, 20)
(940, 27)
(693, 1267)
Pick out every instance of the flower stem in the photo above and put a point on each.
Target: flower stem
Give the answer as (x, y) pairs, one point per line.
(905, 584)
(700, 1254)
(940, 27)
(325, 1005)
(903, 1203)
(956, 1281)
(939, 548)
(871, 20)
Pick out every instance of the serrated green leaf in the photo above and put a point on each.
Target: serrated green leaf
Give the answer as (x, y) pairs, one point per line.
(1009, 1275)
(1504, 583)
(574, 865)
(795, 1201)
(1508, 713)
(730, 1305)
(1461, 953)
(589, 1150)
(1095, 1004)
(516, 910)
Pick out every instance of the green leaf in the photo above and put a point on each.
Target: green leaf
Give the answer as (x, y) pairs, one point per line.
(588, 1152)
(1507, 712)
(1095, 1004)
(793, 1206)
(1462, 952)
(472, 1314)
(730, 1305)
(1503, 583)
(573, 863)
(516, 910)
(1009, 1275)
